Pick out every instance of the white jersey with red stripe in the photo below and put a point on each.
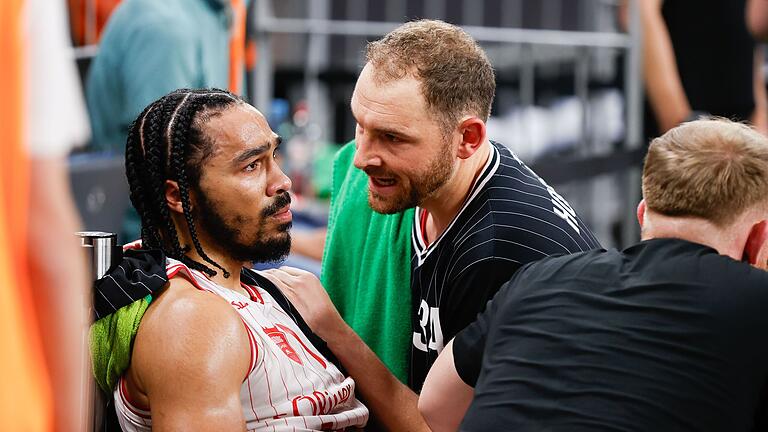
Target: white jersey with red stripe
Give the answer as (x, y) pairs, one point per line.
(290, 385)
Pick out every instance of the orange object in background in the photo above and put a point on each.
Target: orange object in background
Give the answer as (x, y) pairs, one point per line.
(78, 17)
(237, 46)
(25, 394)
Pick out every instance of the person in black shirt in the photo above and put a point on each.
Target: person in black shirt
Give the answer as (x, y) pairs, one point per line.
(511, 217)
(421, 103)
(664, 335)
(703, 59)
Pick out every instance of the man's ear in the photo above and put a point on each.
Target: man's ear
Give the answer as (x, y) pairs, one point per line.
(173, 196)
(756, 246)
(641, 213)
(472, 132)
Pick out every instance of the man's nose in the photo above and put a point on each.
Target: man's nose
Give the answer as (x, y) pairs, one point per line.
(365, 156)
(281, 183)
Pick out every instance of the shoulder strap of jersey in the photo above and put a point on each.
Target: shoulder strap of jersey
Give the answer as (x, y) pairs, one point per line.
(252, 277)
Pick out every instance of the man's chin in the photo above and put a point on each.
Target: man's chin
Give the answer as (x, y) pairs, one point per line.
(387, 206)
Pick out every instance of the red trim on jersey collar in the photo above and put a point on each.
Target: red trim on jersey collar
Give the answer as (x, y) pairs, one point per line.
(423, 225)
(418, 237)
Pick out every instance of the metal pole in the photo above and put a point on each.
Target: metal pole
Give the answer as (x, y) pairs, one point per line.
(581, 86)
(103, 251)
(633, 90)
(263, 78)
(481, 34)
(527, 76)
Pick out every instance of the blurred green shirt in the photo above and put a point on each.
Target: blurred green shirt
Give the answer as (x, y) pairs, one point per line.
(149, 48)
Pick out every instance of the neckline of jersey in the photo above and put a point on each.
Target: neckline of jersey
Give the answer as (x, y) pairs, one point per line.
(418, 236)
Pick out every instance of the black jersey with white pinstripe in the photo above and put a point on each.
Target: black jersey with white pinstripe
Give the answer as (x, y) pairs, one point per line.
(510, 217)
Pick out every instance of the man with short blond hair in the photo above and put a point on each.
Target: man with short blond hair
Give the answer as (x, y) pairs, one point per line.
(711, 169)
(667, 334)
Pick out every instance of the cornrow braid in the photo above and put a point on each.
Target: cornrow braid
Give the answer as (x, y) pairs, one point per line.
(167, 142)
(177, 141)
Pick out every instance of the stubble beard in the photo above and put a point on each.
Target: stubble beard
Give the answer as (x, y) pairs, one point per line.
(227, 232)
(422, 186)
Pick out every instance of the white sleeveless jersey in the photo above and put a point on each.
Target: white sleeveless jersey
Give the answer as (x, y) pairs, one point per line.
(290, 385)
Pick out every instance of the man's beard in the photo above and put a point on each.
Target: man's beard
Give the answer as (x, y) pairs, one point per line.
(266, 246)
(421, 187)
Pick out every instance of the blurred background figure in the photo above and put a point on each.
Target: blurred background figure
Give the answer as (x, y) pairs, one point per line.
(703, 60)
(150, 48)
(88, 20)
(43, 270)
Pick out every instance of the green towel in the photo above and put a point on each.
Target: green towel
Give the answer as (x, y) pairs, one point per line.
(111, 341)
(366, 266)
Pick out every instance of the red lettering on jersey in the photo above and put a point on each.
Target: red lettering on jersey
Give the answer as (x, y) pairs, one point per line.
(306, 349)
(281, 341)
(322, 402)
(239, 304)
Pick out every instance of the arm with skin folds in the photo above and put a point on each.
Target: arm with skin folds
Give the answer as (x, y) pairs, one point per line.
(392, 403)
(445, 397)
(189, 360)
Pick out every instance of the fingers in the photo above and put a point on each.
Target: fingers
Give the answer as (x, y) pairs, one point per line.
(294, 271)
(276, 278)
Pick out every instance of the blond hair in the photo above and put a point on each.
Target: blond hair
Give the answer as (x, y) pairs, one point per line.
(713, 169)
(455, 74)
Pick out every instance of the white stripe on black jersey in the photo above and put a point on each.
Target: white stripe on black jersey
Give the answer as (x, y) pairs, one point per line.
(511, 217)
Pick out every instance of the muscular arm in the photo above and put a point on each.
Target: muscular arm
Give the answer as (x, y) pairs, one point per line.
(393, 404)
(189, 360)
(445, 397)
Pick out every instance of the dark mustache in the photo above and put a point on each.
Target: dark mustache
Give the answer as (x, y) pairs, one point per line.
(281, 201)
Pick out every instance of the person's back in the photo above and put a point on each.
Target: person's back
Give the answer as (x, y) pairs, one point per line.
(666, 335)
(150, 48)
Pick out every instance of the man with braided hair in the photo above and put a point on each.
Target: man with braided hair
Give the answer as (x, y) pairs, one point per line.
(220, 348)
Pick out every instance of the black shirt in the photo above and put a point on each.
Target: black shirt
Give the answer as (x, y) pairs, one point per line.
(510, 218)
(714, 53)
(667, 335)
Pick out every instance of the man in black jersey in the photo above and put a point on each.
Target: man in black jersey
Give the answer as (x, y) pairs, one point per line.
(421, 103)
(667, 334)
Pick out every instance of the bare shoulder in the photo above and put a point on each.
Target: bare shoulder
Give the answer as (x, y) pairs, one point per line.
(189, 337)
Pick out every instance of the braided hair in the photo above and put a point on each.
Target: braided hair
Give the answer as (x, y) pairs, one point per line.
(167, 142)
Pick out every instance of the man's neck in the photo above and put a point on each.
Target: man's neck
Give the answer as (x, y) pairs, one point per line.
(695, 230)
(233, 267)
(443, 206)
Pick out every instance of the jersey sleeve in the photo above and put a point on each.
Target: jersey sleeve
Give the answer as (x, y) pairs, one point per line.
(471, 290)
(469, 343)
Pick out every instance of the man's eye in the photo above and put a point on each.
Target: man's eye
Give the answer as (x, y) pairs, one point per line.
(391, 138)
(252, 166)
